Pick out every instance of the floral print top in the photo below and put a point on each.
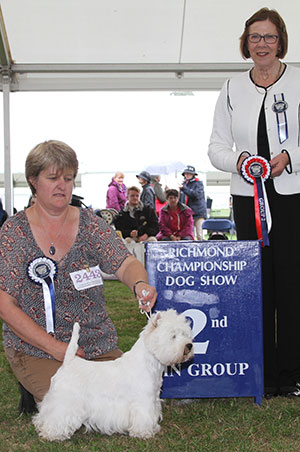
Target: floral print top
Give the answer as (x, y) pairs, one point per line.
(96, 244)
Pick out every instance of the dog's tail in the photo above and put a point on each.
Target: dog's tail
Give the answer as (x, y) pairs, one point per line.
(73, 344)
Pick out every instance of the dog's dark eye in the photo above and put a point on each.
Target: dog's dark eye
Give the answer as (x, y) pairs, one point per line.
(174, 336)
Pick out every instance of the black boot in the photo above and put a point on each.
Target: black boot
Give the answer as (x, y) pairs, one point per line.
(27, 403)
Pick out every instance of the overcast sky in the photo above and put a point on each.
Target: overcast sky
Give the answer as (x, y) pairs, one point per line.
(112, 131)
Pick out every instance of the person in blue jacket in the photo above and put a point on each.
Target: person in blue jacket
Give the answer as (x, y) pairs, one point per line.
(192, 194)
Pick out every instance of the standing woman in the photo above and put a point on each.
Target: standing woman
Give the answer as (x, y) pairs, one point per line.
(257, 113)
(116, 193)
(50, 277)
(192, 194)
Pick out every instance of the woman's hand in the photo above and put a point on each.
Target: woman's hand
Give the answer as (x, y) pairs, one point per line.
(26, 329)
(240, 162)
(58, 350)
(133, 274)
(143, 238)
(278, 164)
(141, 289)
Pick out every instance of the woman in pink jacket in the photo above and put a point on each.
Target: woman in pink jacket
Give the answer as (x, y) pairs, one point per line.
(116, 193)
(175, 219)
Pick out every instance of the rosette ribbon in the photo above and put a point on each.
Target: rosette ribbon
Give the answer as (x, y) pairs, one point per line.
(279, 107)
(256, 170)
(42, 271)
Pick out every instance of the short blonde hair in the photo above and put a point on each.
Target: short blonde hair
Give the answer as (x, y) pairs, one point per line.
(50, 153)
(119, 173)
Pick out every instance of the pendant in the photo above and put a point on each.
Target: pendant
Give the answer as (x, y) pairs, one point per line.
(52, 250)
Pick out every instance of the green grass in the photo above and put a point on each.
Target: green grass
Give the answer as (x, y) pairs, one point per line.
(208, 425)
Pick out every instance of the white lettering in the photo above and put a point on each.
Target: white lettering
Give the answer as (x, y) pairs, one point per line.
(217, 370)
(203, 266)
(171, 370)
(192, 251)
(243, 367)
(180, 280)
(216, 323)
(218, 280)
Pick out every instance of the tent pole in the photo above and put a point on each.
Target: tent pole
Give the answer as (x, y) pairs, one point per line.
(8, 183)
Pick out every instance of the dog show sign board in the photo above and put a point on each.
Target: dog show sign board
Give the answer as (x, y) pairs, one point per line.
(217, 284)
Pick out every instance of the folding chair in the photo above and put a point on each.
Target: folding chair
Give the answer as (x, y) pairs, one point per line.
(216, 228)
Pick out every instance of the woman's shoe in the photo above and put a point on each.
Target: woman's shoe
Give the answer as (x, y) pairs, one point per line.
(270, 392)
(27, 403)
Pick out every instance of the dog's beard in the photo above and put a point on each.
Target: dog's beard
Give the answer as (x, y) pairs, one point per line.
(177, 358)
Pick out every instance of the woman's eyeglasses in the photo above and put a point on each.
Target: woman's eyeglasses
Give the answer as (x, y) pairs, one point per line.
(255, 38)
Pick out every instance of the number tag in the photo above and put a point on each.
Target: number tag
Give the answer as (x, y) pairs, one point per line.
(86, 278)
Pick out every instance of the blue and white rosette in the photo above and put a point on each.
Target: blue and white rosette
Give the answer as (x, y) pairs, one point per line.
(279, 107)
(256, 170)
(42, 271)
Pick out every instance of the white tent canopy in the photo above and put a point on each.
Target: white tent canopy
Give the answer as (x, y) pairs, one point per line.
(54, 45)
(128, 44)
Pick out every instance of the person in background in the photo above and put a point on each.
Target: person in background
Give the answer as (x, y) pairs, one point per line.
(52, 255)
(116, 193)
(159, 193)
(137, 222)
(257, 113)
(175, 219)
(148, 197)
(192, 194)
(3, 214)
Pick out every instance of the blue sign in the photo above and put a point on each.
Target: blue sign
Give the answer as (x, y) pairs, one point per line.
(217, 284)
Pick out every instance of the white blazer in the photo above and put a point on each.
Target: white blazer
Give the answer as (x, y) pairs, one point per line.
(235, 128)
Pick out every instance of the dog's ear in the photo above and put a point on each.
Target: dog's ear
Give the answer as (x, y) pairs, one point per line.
(155, 318)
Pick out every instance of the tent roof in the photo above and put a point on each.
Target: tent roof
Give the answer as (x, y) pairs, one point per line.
(128, 44)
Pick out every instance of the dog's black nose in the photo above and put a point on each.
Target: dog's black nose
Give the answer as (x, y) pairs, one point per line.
(189, 346)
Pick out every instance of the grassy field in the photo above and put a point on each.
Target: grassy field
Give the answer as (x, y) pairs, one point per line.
(208, 425)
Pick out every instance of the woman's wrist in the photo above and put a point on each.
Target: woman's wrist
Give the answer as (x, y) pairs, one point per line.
(243, 155)
(135, 284)
(288, 165)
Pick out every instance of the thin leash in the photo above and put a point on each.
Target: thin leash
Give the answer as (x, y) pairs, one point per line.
(142, 303)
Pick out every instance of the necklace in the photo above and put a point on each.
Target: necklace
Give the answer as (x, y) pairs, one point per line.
(266, 88)
(52, 249)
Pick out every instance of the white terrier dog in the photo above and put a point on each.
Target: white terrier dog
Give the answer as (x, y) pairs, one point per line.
(121, 396)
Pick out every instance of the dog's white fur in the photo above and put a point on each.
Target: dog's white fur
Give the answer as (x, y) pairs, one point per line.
(121, 396)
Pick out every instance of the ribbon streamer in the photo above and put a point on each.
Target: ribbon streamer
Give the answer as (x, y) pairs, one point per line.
(49, 303)
(260, 212)
(279, 107)
(255, 170)
(42, 271)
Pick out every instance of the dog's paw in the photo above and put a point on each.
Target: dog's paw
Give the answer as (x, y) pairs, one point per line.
(52, 431)
(144, 434)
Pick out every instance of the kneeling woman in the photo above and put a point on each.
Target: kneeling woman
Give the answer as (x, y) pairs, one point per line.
(50, 275)
(175, 219)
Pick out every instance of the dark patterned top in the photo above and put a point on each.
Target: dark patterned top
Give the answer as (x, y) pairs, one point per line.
(96, 244)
